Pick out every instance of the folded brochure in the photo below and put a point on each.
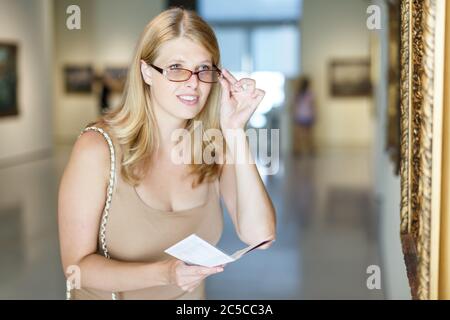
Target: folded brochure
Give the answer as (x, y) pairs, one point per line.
(194, 250)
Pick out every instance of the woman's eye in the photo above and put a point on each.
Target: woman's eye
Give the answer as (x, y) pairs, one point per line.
(177, 66)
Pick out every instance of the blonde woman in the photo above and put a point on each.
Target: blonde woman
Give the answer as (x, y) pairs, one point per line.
(116, 250)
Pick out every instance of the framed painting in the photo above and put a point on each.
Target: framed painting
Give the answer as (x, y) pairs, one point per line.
(350, 77)
(8, 80)
(78, 79)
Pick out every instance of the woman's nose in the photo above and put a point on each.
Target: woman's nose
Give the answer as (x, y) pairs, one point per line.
(193, 81)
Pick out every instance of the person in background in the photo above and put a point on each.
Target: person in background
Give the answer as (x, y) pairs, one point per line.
(108, 86)
(105, 94)
(304, 116)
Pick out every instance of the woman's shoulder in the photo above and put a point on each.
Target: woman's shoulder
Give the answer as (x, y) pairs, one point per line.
(99, 130)
(92, 146)
(89, 163)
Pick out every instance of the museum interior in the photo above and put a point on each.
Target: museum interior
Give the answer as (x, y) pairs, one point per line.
(361, 183)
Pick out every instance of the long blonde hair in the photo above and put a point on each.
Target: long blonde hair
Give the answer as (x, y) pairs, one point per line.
(133, 123)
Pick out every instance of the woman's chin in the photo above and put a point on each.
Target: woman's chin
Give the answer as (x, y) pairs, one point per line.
(186, 116)
(189, 114)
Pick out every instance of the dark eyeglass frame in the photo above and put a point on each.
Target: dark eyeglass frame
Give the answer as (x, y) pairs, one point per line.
(164, 73)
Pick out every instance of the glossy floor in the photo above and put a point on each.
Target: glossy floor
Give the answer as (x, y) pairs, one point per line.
(326, 233)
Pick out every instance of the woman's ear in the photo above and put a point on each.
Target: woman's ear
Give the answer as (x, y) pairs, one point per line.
(146, 73)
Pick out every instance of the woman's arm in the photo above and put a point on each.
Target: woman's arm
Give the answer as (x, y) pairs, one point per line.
(115, 276)
(244, 193)
(241, 186)
(81, 199)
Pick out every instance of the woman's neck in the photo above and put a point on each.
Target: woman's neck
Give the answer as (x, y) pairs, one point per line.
(167, 124)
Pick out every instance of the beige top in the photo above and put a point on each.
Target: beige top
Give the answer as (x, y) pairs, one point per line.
(135, 232)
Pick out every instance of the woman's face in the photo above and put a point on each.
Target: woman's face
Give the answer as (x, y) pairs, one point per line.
(175, 98)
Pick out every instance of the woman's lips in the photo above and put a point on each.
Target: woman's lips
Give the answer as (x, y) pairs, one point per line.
(188, 100)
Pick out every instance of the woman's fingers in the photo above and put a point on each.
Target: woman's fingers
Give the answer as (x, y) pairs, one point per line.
(183, 275)
(225, 89)
(228, 76)
(234, 85)
(198, 270)
(225, 84)
(244, 91)
(246, 85)
(193, 275)
(258, 95)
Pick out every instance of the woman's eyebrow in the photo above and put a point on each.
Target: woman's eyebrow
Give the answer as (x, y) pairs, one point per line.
(180, 60)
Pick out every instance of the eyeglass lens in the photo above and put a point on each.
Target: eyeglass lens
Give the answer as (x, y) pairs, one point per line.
(209, 76)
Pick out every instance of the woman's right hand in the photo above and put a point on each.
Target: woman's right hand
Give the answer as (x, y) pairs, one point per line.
(189, 277)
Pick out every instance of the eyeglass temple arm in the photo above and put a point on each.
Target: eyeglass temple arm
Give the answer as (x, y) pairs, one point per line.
(157, 68)
(220, 71)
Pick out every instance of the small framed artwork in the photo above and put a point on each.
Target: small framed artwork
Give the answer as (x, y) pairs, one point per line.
(350, 78)
(78, 79)
(8, 80)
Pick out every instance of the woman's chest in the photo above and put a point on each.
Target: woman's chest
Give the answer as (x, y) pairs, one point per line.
(171, 189)
(138, 233)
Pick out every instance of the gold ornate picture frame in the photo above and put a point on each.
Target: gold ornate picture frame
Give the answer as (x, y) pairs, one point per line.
(421, 113)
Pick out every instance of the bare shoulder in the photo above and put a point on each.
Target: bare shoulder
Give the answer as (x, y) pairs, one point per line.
(89, 160)
(91, 146)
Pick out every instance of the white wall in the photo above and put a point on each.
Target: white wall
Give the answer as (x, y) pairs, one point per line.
(387, 185)
(29, 24)
(336, 29)
(108, 36)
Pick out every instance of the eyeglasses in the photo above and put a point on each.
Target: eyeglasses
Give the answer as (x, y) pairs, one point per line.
(181, 75)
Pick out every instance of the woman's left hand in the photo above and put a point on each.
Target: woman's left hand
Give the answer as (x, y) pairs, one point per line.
(239, 100)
